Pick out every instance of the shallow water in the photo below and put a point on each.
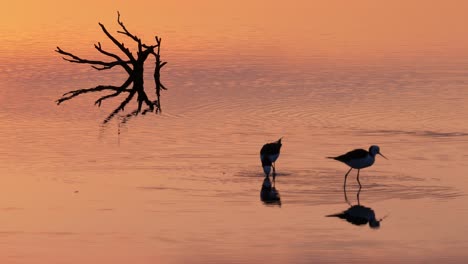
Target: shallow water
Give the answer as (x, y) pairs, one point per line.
(184, 186)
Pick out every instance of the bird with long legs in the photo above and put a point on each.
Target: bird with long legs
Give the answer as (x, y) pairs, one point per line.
(268, 155)
(358, 159)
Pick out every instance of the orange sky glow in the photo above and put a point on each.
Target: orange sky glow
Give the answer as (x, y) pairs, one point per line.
(327, 27)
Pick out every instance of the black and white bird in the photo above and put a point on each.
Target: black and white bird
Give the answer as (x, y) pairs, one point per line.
(359, 159)
(268, 155)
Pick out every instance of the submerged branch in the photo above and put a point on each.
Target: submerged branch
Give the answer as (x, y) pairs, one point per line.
(135, 112)
(122, 88)
(134, 66)
(121, 107)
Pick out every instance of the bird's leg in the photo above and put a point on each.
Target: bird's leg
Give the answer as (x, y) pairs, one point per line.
(345, 196)
(358, 193)
(358, 179)
(346, 176)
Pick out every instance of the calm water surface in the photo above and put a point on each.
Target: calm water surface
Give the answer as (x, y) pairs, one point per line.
(184, 187)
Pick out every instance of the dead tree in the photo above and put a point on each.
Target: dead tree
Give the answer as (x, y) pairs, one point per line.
(134, 66)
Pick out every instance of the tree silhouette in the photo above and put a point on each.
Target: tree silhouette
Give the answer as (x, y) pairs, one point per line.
(134, 66)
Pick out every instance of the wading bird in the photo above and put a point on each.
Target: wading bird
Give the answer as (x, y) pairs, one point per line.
(359, 159)
(268, 155)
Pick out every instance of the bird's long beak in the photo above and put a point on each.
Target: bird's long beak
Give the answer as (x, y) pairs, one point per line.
(382, 155)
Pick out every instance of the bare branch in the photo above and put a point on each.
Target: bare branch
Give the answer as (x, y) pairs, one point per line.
(121, 46)
(103, 67)
(126, 32)
(69, 95)
(123, 63)
(99, 101)
(158, 41)
(122, 88)
(149, 47)
(76, 59)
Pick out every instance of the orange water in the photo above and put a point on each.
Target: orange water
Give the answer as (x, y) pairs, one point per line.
(184, 186)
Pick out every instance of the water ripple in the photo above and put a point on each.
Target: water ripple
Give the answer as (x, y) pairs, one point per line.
(432, 134)
(317, 187)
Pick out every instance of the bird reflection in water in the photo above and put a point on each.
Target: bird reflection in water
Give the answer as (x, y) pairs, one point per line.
(269, 194)
(359, 214)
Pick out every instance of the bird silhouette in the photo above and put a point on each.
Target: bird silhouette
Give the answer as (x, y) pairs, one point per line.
(359, 159)
(268, 156)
